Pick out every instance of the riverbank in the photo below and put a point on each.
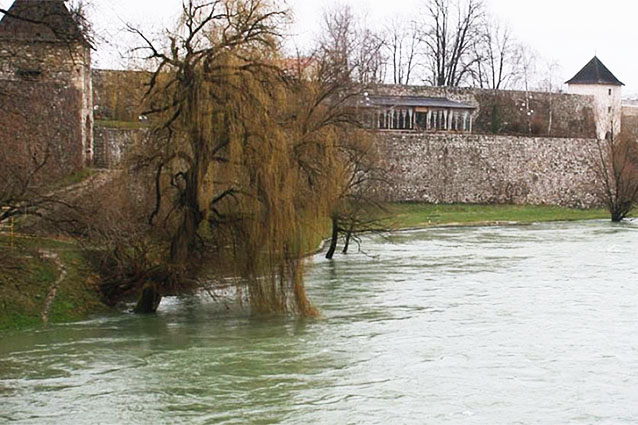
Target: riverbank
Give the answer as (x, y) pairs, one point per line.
(48, 280)
(44, 281)
(416, 215)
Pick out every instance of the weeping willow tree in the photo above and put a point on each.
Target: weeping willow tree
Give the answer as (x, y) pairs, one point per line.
(242, 154)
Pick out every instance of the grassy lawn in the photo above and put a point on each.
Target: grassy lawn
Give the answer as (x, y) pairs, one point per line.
(123, 125)
(26, 278)
(411, 215)
(73, 179)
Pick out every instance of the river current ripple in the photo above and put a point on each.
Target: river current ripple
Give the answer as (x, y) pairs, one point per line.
(496, 325)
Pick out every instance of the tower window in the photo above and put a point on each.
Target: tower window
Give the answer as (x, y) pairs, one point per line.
(610, 92)
(609, 110)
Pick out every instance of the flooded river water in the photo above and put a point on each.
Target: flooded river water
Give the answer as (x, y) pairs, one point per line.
(499, 325)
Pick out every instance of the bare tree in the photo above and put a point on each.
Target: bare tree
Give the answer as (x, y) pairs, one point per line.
(451, 29)
(359, 209)
(528, 67)
(617, 170)
(403, 45)
(35, 157)
(353, 51)
(497, 63)
(551, 84)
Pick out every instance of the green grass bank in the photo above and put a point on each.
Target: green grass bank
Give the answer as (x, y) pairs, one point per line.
(415, 215)
(28, 272)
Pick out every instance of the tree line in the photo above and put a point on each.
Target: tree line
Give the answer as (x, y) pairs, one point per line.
(448, 43)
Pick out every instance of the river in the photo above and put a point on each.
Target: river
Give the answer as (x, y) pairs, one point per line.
(529, 324)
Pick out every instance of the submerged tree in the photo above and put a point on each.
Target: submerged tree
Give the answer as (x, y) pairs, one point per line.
(351, 52)
(359, 208)
(349, 60)
(617, 169)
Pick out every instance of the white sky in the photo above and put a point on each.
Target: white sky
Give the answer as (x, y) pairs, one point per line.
(568, 32)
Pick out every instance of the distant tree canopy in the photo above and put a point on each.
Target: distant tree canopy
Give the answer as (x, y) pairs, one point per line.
(444, 43)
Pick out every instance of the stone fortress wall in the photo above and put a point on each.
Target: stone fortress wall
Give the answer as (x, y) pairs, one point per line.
(486, 169)
(52, 85)
(118, 108)
(111, 145)
(118, 95)
(511, 157)
(45, 85)
(526, 147)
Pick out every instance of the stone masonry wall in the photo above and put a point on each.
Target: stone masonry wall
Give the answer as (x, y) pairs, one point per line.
(40, 120)
(43, 60)
(479, 169)
(67, 64)
(111, 144)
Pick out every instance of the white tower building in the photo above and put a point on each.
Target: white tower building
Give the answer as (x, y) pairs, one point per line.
(598, 81)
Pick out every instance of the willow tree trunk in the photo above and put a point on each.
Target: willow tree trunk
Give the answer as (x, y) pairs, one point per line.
(334, 239)
(184, 239)
(618, 213)
(192, 199)
(149, 300)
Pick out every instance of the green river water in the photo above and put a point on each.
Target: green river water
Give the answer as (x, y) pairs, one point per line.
(499, 325)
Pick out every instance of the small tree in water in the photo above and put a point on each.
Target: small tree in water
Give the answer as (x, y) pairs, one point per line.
(617, 171)
(349, 57)
(359, 209)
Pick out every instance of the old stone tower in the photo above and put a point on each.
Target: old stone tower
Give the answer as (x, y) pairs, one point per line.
(45, 66)
(598, 81)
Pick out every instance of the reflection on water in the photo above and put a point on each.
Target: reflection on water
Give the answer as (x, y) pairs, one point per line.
(530, 324)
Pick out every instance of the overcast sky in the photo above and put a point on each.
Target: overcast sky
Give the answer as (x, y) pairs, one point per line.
(568, 32)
